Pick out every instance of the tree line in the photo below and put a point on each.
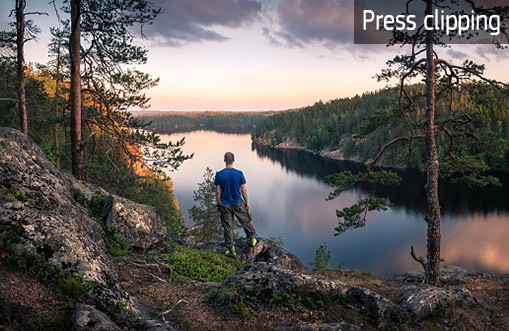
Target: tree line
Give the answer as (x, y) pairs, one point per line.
(339, 125)
(75, 106)
(225, 122)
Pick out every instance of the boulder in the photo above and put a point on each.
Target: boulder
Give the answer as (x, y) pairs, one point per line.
(46, 218)
(48, 214)
(141, 226)
(321, 327)
(262, 280)
(87, 318)
(449, 274)
(267, 278)
(422, 302)
(374, 305)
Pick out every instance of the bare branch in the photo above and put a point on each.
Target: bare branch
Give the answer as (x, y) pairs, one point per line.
(384, 148)
(419, 259)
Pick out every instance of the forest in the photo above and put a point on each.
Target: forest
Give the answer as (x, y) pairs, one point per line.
(77, 116)
(226, 122)
(340, 125)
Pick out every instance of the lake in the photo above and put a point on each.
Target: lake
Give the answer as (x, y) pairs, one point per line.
(287, 198)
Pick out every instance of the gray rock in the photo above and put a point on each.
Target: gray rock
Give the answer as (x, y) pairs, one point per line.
(266, 278)
(450, 274)
(50, 220)
(87, 318)
(141, 226)
(184, 239)
(264, 251)
(54, 220)
(421, 302)
(504, 279)
(262, 280)
(154, 325)
(321, 327)
(377, 307)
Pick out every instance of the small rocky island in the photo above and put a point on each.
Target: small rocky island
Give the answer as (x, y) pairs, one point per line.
(73, 256)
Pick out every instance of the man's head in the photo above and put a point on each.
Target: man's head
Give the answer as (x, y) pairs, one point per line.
(229, 158)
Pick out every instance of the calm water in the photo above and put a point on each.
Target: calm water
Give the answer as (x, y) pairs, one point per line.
(287, 198)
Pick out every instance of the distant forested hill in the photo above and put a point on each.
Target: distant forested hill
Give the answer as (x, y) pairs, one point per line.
(331, 127)
(228, 122)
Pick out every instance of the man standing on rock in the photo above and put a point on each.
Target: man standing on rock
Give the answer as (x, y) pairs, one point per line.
(231, 195)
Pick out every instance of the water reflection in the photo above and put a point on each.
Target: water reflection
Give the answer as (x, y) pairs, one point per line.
(454, 198)
(287, 197)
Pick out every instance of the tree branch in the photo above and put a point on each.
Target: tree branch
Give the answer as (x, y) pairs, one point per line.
(419, 259)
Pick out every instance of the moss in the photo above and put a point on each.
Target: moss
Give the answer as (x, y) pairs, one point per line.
(12, 194)
(96, 204)
(201, 265)
(80, 197)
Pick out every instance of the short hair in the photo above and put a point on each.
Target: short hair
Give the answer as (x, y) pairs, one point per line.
(229, 157)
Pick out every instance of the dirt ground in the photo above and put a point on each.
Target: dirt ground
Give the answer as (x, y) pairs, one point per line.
(28, 303)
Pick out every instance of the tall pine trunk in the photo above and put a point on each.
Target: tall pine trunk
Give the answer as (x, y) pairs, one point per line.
(432, 270)
(78, 159)
(20, 45)
(57, 96)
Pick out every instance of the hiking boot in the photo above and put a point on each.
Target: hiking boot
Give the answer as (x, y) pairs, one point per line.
(253, 242)
(230, 252)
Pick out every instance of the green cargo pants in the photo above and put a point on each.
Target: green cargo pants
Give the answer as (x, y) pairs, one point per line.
(227, 214)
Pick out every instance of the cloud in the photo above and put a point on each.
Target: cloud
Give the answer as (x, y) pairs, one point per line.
(186, 21)
(300, 22)
(457, 54)
(490, 52)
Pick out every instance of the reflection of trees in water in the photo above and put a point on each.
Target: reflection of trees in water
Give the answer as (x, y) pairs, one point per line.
(454, 198)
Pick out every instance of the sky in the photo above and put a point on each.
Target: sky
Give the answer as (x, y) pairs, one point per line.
(257, 54)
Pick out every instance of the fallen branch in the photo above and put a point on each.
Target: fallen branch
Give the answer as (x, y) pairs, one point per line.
(170, 310)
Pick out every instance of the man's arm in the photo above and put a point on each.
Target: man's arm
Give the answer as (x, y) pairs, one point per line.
(243, 190)
(218, 195)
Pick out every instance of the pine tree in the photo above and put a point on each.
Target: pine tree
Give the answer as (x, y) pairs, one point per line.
(205, 213)
(442, 79)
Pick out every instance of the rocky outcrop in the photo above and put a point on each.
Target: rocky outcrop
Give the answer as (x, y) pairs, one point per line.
(376, 306)
(264, 280)
(264, 251)
(422, 302)
(448, 274)
(48, 213)
(46, 218)
(141, 226)
(267, 278)
(87, 318)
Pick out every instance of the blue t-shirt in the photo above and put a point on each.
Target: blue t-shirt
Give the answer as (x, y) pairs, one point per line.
(230, 180)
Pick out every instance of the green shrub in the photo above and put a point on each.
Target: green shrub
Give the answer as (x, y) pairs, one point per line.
(96, 204)
(74, 286)
(80, 197)
(118, 246)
